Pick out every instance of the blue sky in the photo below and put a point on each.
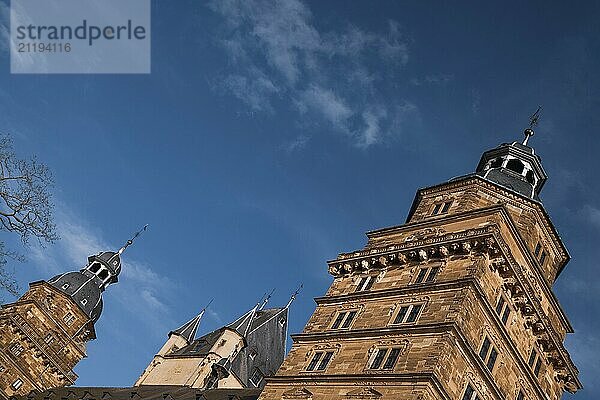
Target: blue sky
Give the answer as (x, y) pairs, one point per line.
(269, 137)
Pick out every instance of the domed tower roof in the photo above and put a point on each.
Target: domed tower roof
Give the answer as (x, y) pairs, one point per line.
(85, 287)
(515, 165)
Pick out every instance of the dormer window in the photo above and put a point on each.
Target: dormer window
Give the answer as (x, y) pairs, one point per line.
(530, 177)
(365, 283)
(83, 302)
(103, 274)
(257, 377)
(16, 385)
(441, 208)
(95, 267)
(496, 163)
(65, 286)
(515, 165)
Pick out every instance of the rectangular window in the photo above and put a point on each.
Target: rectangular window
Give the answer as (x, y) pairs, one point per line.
(344, 320)
(470, 393)
(532, 358)
(365, 283)
(538, 366)
(313, 363)
(520, 396)
(390, 362)
(401, 314)
(349, 319)
(446, 207)
(485, 347)
(69, 319)
(502, 309)
(16, 385)
(421, 276)
(407, 314)
(538, 247)
(492, 359)
(2, 368)
(412, 316)
(256, 377)
(488, 354)
(48, 339)
(543, 258)
(378, 360)
(500, 305)
(432, 274)
(16, 349)
(427, 274)
(441, 208)
(325, 361)
(338, 321)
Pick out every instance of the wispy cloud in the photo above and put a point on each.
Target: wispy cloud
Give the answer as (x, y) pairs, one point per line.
(333, 78)
(298, 143)
(438, 79)
(591, 214)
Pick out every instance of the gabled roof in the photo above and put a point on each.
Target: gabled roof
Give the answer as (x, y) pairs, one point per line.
(189, 329)
(243, 324)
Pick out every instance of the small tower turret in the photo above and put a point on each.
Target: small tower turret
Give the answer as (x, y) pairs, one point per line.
(43, 335)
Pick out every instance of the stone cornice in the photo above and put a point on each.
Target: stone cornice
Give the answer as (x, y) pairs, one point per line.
(428, 232)
(512, 197)
(373, 332)
(485, 240)
(434, 328)
(363, 379)
(414, 288)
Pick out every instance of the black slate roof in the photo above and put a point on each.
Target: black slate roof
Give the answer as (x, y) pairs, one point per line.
(142, 393)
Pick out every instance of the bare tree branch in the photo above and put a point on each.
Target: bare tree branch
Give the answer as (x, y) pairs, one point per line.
(25, 205)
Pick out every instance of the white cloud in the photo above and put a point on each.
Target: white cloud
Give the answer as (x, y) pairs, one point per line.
(298, 143)
(277, 52)
(326, 103)
(254, 90)
(591, 215)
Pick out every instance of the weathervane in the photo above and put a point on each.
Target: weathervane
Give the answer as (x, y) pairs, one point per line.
(533, 121)
(130, 241)
(294, 295)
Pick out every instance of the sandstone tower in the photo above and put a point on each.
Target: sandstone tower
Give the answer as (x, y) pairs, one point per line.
(455, 304)
(43, 335)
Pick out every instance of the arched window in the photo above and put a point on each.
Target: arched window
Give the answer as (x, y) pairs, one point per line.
(95, 267)
(103, 274)
(515, 165)
(496, 163)
(529, 177)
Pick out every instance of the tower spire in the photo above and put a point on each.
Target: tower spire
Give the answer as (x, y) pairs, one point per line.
(266, 300)
(189, 329)
(533, 121)
(294, 295)
(130, 241)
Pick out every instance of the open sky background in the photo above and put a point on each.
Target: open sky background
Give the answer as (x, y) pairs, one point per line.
(271, 135)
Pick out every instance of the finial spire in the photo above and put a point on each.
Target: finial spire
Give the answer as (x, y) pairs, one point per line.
(130, 241)
(533, 121)
(294, 295)
(189, 329)
(266, 300)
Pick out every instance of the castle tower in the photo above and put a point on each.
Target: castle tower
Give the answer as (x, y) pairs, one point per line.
(236, 356)
(43, 335)
(456, 304)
